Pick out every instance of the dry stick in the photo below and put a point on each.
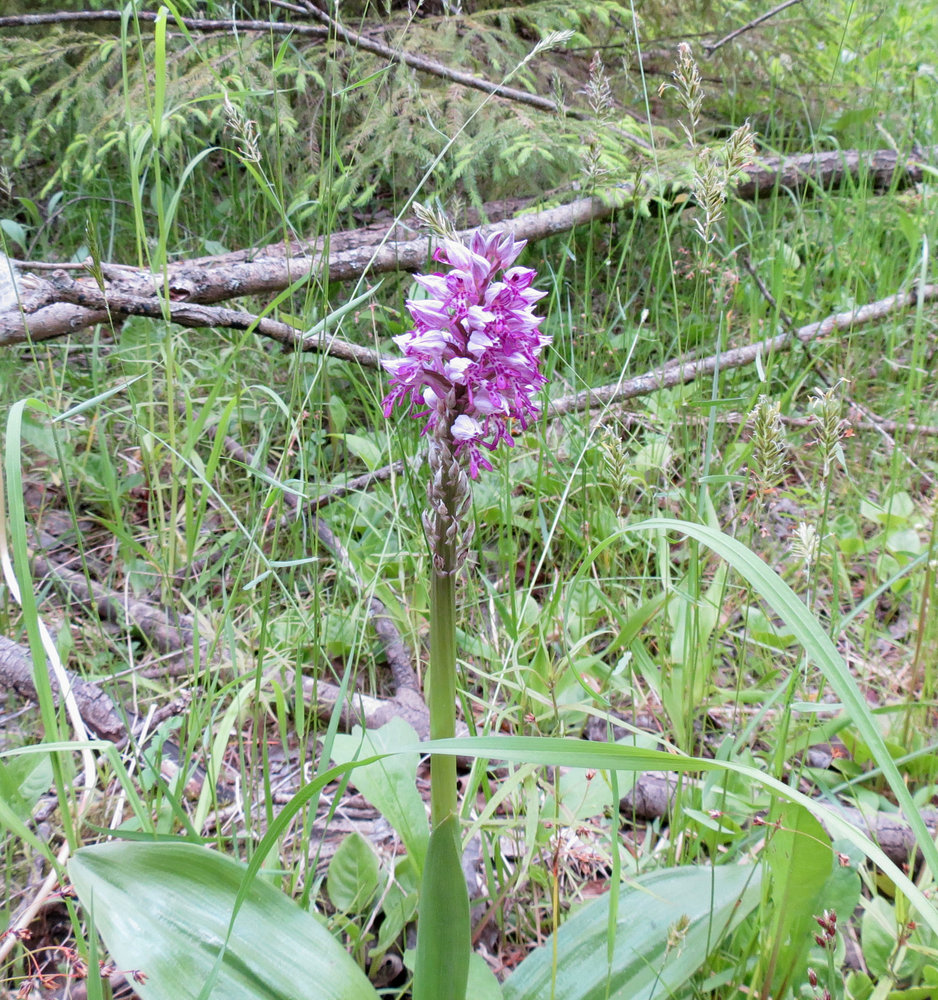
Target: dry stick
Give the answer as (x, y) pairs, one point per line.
(872, 422)
(710, 49)
(439, 69)
(170, 632)
(350, 254)
(358, 484)
(889, 426)
(192, 23)
(191, 315)
(67, 692)
(97, 709)
(876, 423)
(678, 373)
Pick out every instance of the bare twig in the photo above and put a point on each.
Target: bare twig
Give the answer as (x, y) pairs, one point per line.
(439, 69)
(95, 707)
(190, 23)
(358, 484)
(268, 270)
(681, 372)
(88, 295)
(677, 373)
(170, 633)
(710, 49)
(875, 424)
(872, 422)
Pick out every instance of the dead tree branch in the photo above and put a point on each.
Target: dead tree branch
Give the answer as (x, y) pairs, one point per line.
(677, 373)
(168, 633)
(710, 49)
(424, 65)
(328, 28)
(652, 795)
(87, 295)
(682, 372)
(149, 17)
(97, 710)
(372, 250)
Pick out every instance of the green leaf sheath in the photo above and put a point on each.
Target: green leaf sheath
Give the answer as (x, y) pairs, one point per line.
(443, 930)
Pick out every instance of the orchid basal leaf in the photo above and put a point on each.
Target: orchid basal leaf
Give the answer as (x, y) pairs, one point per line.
(164, 909)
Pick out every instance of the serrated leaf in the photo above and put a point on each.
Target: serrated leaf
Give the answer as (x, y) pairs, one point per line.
(164, 909)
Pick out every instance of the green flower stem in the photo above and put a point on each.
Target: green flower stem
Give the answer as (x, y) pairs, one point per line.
(442, 697)
(444, 933)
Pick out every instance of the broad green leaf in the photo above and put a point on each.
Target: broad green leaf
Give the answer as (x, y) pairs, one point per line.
(24, 780)
(878, 934)
(694, 621)
(800, 858)
(669, 922)
(352, 880)
(398, 905)
(388, 784)
(164, 909)
(363, 448)
(15, 231)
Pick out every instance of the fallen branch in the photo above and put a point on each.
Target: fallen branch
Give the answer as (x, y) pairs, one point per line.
(872, 422)
(877, 424)
(98, 711)
(168, 633)
(430, 66)
(678, 373)
(326, 29)
(211, 25)
(373, 250)
(762, 18)
(185, 314)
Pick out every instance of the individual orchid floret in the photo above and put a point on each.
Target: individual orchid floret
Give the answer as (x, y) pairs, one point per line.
(472, 359)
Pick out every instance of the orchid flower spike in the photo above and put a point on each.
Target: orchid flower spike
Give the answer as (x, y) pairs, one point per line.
(472, 359)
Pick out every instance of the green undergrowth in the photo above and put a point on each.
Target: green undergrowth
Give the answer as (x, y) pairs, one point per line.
(667, 640)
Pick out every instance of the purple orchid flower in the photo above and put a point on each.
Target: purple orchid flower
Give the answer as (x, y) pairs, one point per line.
(472, 358)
